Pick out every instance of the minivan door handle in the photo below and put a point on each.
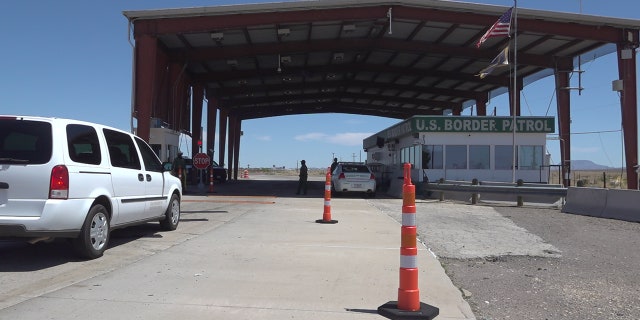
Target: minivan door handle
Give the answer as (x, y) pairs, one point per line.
(148, 177)
(140, 177)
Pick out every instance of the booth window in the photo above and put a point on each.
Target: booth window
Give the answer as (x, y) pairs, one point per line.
(456, 157)
(479, 157)
(432, 157)
(504, 157)
(530, 157)
(410, 155)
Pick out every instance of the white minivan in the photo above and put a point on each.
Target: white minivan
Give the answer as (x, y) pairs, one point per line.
(62, 178)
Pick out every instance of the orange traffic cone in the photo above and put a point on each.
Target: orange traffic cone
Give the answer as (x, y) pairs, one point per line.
(408, 305)
(246, 174)
(326, 216)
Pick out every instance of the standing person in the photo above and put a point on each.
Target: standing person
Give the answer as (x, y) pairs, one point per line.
(178, 169)
(302, 182)
(334, 164)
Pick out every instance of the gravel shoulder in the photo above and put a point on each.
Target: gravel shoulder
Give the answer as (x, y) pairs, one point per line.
(533, 262)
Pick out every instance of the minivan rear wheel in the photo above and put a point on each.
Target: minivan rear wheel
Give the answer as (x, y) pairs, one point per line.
(94, 236)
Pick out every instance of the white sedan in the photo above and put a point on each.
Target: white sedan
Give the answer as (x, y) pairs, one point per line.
(352, 177)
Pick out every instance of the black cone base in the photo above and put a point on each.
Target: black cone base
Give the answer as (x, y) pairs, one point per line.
(327, 222)
(390, 310)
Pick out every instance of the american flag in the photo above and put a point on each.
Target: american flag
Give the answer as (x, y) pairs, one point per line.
(500, 28)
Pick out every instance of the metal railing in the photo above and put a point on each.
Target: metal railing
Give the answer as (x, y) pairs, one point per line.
(520, 190)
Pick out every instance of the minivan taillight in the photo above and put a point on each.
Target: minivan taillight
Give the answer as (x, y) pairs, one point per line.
(341, 176)
(59, 184)
(372, 177)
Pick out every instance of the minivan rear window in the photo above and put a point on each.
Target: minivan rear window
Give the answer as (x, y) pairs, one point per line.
(25, 141)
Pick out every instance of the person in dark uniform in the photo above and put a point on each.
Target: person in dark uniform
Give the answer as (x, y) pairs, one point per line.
(178, 169)
(334, 164)
(302, 182)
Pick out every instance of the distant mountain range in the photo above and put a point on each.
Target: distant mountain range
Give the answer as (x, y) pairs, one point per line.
(587, 165)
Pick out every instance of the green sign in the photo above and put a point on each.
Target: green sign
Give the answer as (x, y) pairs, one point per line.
(452, 124)
(482, 124)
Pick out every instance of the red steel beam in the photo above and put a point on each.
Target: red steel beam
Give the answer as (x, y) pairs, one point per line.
(564, 124)
(629, 104)
(145, 76)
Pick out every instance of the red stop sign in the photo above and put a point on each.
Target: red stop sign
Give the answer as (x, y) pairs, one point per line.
(201, 161)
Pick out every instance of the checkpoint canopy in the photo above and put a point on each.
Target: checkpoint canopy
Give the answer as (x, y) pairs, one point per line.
(394, 59)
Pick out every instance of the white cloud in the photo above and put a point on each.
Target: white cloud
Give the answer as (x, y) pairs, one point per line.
(349, 138)
(345, 139)
(313, 136)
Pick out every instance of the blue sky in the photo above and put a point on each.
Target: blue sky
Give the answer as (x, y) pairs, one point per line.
(72, 59)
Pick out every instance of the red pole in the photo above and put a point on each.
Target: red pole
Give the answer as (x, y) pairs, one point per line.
(326, 216)
(210, 179)
(181, 179)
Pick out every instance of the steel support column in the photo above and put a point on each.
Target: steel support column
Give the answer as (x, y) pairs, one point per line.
(212, 113)
(232, 146)
(224, 119)
(236, 149)
(563, 98)
(629, 107)
(144, 64)
(162, 107)
(181, 109)
(196, 118)
(517, 101)
(481, 106)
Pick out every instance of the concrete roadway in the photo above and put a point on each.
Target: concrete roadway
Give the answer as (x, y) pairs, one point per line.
(252, 250)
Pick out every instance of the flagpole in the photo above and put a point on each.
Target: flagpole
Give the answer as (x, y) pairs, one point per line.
(502, 27)
(515, 86)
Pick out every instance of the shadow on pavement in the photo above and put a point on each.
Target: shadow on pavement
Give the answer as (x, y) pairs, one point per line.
(17, 255)
(276, 187)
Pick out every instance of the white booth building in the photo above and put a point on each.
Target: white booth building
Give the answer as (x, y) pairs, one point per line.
(163, 140)
(463, 148)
